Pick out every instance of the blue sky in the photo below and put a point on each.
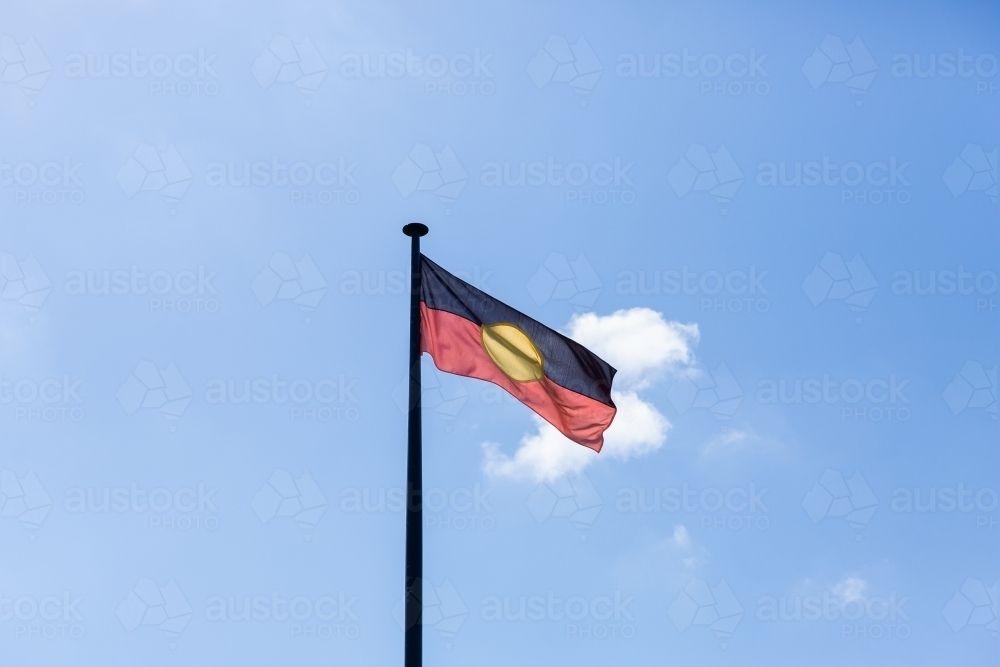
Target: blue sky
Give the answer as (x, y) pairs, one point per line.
(782, 230)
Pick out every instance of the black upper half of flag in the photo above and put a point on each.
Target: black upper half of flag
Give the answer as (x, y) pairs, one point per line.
(565, 362)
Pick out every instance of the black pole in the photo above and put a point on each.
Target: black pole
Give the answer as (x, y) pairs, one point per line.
(413, 638)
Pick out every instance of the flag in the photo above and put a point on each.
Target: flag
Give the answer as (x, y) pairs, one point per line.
(468, 332)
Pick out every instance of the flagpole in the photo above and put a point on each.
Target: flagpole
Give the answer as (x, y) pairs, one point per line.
(413, 637)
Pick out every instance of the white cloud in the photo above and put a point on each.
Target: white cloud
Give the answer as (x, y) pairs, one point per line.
(660, 563)
(642, 346)
(681, 537)
(638, 428)
(734, 447)
(850, 589)
(726, 443)
(638, 342)
(544, 455)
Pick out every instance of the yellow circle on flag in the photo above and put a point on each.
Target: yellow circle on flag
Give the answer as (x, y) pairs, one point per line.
(513, 352)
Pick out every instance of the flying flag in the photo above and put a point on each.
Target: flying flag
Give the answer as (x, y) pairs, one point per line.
(468, 332)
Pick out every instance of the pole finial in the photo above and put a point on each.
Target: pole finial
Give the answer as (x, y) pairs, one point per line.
(415, 229)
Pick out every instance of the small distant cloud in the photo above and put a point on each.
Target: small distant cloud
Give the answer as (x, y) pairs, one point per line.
(662, 563)
(726, 442)
(850, 589)
(681, 538)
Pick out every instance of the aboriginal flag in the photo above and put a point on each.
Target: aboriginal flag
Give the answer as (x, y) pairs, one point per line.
(470, 333)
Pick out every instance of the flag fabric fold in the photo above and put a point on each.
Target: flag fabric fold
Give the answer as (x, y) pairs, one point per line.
(468, 332)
